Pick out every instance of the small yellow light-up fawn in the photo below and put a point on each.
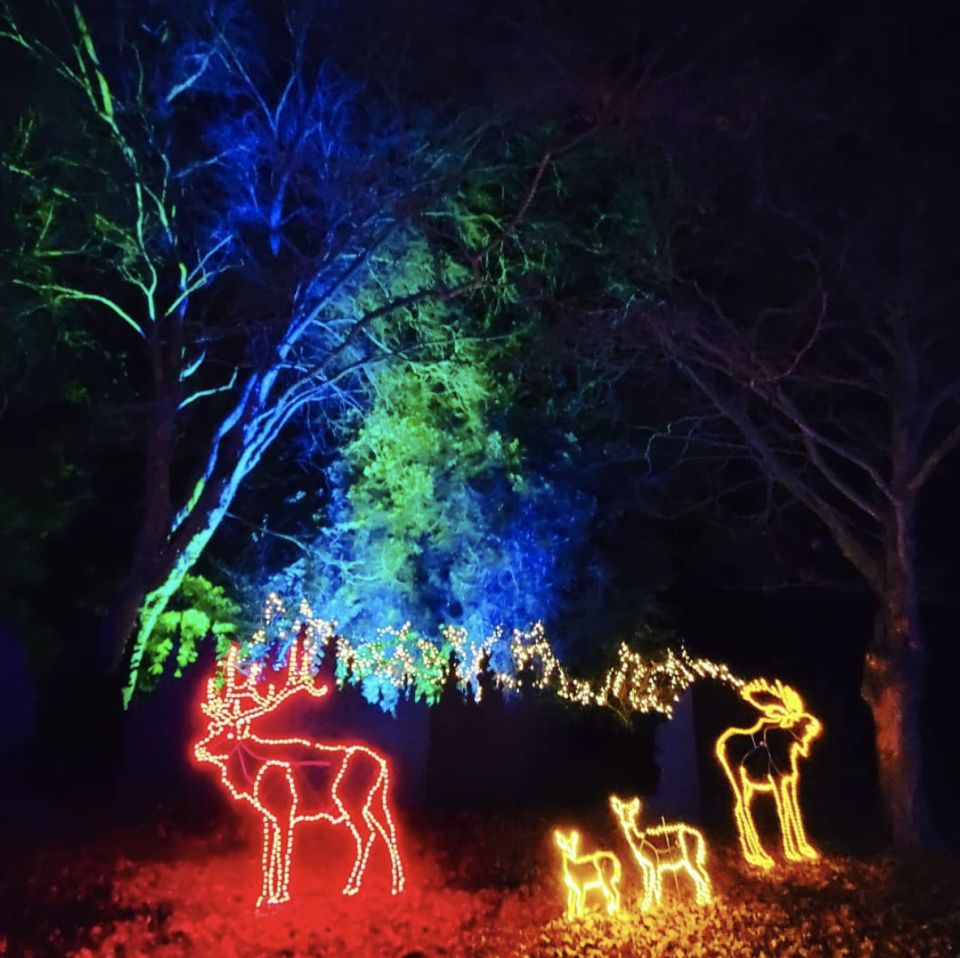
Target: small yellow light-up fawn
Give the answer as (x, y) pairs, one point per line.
(582, 873)
(663, 848)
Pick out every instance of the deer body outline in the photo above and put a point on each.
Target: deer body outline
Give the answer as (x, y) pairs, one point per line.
(660, 848)
(763, 759)
(268, 773)
(584, 873)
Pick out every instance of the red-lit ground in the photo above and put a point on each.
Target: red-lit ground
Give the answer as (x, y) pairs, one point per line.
(475, 887)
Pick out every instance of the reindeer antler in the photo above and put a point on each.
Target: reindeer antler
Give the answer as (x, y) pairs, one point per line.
(243, 701)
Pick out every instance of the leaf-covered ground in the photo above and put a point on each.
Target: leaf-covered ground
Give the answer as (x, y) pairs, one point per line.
(476, 886)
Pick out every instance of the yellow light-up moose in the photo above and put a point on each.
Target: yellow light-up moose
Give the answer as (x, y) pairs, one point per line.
(291, 780)
(584, 873)
(764, 759)
(663, 848)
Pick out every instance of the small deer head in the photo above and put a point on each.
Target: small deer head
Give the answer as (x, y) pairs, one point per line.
(568, 843)
(230, 711)
(627, 812)
(783, 707)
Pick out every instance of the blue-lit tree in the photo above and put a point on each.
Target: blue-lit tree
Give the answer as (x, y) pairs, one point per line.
(438, 518)
(464, 498)
(253, 220)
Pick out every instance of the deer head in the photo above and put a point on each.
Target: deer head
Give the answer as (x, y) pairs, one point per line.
(231, 711)
(568, 843)
(782, 706)
(626, 812)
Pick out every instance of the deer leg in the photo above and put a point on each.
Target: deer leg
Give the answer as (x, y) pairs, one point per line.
(372, 828)
(276, 796)
(573, 901)
(613, 893)
(749, 839)
(378, 817)
(273, 891)
(658, 886)
(285, 829)
(363, 852)
(649, 882)
(575, 898)
(702, 880)
(792, 808)
(266, 861)
(692, 850)
(786, 821)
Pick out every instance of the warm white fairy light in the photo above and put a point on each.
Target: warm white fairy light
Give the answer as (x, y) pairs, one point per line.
(784, 727)
(249, 764)
(672, 847)
(598, 871)
(405, 660)
(637, 684)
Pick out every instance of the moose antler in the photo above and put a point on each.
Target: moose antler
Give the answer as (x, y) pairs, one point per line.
(778, 702)
(242, 701)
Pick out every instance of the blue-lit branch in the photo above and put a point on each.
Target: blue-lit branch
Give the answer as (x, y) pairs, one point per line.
(282, 227)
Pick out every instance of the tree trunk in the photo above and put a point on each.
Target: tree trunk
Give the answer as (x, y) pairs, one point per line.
(176, 563)
(155, 511)
(893, 678)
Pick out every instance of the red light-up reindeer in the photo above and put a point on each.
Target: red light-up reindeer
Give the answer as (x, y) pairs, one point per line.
(293, 780)
(763, 759)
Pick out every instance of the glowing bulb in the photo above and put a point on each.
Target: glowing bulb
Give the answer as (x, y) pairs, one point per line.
(666, 847)
(265, 776)
(784, 728)
(585, 873)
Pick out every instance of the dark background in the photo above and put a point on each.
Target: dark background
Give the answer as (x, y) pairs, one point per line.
(889, 63)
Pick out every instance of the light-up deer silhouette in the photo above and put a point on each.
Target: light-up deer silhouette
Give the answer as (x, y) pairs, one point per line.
(764, 759)
(583, 873)
(661, 848)
(293, 780)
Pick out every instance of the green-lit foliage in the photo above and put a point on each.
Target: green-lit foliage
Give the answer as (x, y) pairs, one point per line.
(428, 657)
(438, 517)
(198, 610)
(424, 439)
(458, 500)
(255, 235)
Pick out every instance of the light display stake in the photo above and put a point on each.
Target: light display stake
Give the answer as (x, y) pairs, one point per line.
(764, 759)
(584, 873)
(663, 848)
(268, 774)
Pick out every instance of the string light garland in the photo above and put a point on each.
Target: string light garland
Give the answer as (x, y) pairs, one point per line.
(663, 848)
(405, 661)
(764, 759)
(264, 771)
(636, 684)
(585, 873)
